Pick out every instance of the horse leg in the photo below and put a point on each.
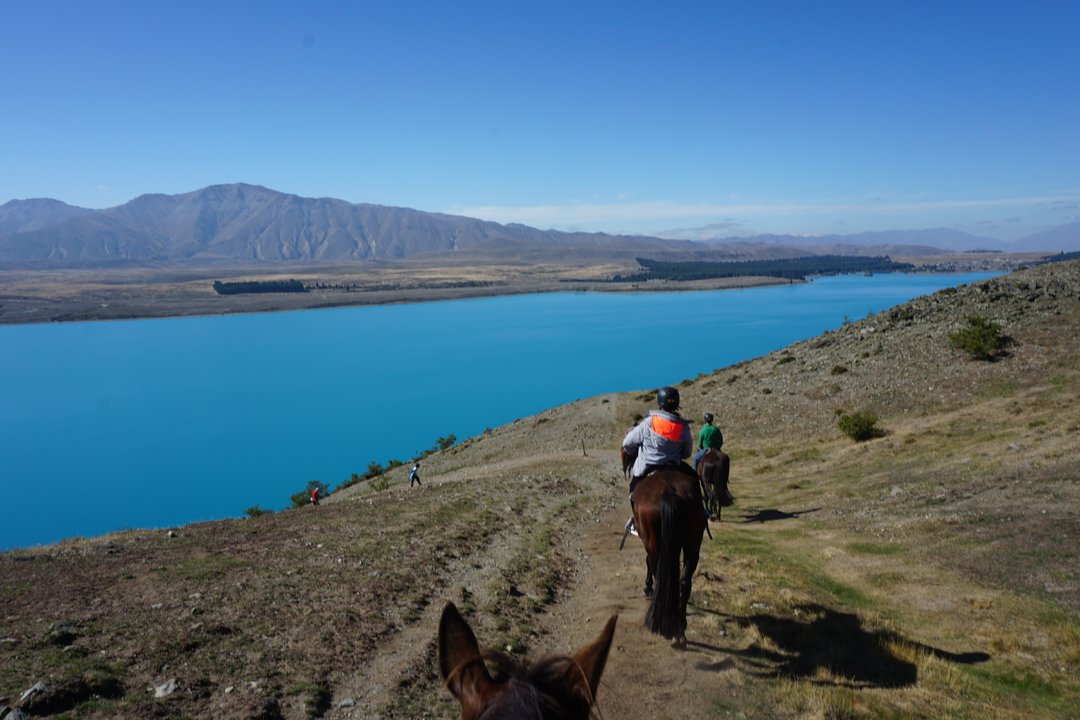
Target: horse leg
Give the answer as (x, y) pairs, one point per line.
(649, 576)
(686, 583)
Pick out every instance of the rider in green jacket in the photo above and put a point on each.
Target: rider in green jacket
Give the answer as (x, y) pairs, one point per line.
(709, 437)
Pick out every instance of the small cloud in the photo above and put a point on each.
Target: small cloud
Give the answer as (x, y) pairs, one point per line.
(712, 231)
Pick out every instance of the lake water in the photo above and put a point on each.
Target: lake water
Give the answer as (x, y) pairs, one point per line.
(156, 423)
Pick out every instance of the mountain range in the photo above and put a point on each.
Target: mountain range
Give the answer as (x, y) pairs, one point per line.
(241, 223)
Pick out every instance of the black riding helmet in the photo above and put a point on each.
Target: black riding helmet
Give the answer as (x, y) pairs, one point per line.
(708, 417)
(668, 399)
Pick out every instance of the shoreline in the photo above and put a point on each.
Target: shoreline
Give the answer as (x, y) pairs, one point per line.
(69, 295)
(38, 296)
(90, 297)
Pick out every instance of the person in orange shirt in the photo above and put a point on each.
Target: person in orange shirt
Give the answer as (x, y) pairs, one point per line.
(662, 439)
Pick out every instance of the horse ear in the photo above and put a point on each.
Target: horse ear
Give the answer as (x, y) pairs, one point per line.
(592, 658)
(461, 664)
(457, 644)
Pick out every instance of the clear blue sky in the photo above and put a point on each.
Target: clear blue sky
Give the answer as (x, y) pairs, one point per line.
(743, 117)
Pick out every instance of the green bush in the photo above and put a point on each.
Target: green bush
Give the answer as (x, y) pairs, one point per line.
(255, 511)
(860, 426)
(981, 339)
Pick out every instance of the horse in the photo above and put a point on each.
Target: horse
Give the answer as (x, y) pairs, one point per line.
(670, 521)
(714, 468)
(493, 686)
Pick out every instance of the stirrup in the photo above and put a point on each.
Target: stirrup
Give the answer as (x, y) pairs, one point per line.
(631, 528)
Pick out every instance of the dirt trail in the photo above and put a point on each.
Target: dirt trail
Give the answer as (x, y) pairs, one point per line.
(645, 676)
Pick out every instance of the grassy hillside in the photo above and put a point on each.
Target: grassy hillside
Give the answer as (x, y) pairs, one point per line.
(931, 572)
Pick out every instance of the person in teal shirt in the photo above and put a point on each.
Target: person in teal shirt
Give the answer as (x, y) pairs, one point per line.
(709, 437)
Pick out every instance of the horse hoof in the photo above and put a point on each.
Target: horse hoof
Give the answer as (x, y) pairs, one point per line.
(648, 592)
(679, 643)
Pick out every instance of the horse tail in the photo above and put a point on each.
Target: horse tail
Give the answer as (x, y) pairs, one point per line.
(664, 615)
(726, 498)
(715, 469)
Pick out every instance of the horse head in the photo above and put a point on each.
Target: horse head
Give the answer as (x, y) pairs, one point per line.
(493, 686)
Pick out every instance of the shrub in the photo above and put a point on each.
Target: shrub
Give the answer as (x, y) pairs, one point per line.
(353, 479)
(981, 339)
(860, 426)
(839, 370)
(255, 511)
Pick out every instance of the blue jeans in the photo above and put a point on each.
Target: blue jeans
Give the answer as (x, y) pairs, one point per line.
(697, 456)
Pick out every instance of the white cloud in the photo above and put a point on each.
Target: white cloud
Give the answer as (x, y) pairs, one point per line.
(650, 214)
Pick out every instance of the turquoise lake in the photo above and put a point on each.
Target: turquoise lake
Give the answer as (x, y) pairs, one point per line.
(156, 423)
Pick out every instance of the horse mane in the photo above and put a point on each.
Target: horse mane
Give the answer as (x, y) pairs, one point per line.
(540, 686)
(494, 686)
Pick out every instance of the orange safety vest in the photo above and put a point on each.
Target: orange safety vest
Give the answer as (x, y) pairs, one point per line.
(667, 429)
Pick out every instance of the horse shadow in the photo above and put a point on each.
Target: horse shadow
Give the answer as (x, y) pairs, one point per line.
(764, 516)
(823, 643)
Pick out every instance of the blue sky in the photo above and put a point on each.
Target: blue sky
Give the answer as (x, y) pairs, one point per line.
(678, 118)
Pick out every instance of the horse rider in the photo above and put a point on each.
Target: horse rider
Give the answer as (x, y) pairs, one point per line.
(709, 437)
(662, 439)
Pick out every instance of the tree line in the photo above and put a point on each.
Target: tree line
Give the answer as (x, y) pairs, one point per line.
(788, 268)
(259, 286)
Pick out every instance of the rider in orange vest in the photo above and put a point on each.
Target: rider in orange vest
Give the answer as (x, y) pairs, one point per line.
(662, 439)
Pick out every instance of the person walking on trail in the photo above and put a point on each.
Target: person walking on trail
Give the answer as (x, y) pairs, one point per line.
(662, 439)
(709, 437)
(414, 475)
(315, 495)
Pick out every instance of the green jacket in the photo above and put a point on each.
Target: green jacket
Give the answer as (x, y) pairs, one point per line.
(710, 437)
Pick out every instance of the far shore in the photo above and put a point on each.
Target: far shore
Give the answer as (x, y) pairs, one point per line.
(89, 295)
(73, 295)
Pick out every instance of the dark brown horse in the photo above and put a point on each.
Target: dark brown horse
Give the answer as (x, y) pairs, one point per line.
(714, 468)
(671, 522)
(493, 686)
